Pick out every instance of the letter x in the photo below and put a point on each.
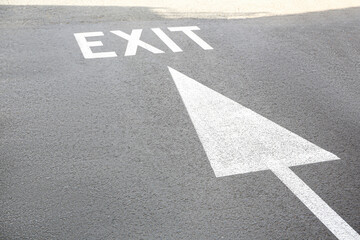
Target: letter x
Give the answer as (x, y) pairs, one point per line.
(134, 41)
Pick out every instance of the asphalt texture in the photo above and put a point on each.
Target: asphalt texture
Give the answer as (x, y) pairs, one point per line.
(105, 149)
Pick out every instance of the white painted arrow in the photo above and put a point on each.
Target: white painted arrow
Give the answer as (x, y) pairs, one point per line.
(238, 140)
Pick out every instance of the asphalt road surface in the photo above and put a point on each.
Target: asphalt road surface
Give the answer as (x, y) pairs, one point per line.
(104, 148)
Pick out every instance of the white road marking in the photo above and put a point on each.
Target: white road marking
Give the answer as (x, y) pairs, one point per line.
(165, 38)
(85, 45)
(238, 140)
(312, 201)
(189, 32)
(134, 41)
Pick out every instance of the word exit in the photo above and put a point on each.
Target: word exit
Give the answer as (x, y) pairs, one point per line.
(133, 41)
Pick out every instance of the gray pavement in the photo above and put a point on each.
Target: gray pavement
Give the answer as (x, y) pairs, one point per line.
(105, 149)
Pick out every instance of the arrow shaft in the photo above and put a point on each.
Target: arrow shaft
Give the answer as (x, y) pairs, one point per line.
(313, 202)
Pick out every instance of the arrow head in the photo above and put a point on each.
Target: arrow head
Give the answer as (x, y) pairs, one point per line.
(237, 139)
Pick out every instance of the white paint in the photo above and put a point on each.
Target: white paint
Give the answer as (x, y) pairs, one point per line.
(312, 201)
(85, 45)
(189, 32)
(165, 38)
(134, 41)
(238, 140)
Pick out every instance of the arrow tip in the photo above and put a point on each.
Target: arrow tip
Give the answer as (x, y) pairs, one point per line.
(172, 71)
(176, 75)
